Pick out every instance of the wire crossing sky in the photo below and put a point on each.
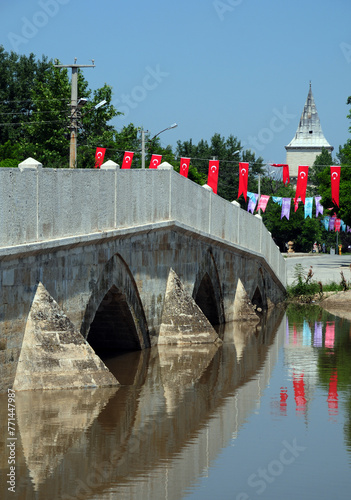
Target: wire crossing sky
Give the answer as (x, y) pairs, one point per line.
(239, 67)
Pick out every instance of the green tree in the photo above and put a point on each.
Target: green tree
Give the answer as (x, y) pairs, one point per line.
(17, 74)
(322, 162)
(228, 152)
(46, 135)
(303, 232)
(35, 113)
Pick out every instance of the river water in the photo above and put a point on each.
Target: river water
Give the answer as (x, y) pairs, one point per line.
(266, 415)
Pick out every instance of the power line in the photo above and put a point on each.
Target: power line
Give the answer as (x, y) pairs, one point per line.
(32, 112)
(28, 123)
(6, 101)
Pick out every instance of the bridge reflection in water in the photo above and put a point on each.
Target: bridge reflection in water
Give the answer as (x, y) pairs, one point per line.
(154, 436)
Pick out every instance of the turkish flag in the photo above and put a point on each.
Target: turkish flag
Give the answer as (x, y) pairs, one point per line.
(243, 179)
(301, 183)
(127, 159)
(184, 166)
(155, 161)
(286, 177)
(212, 178)
(335, 183)
(99, 157)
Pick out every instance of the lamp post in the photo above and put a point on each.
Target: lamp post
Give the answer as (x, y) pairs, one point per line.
(174, 125)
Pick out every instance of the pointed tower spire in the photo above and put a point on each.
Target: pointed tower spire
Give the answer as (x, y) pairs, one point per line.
(309, 139)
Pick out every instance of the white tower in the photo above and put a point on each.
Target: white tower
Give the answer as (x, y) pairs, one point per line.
(309, 139)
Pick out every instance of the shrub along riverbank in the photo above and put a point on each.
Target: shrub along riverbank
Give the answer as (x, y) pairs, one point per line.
(305, 289)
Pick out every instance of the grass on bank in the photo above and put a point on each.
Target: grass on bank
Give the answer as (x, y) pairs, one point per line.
(305, 288)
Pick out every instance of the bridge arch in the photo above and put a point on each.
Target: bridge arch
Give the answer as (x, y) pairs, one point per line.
(114, 318)
(259, 297)
(207, 291)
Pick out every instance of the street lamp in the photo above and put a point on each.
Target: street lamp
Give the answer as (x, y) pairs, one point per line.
(174, 125)
(101, 103)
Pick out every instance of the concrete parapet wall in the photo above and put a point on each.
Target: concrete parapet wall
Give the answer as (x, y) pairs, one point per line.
(48, 204)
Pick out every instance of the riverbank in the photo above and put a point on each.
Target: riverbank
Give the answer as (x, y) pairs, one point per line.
(326, 269)
(338, 304)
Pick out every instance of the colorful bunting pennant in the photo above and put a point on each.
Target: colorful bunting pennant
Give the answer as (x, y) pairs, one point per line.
(319, 207)
(252, 201)
(286, 202)
(262, 204)
(308, 207)
(277, 199)
(296, 204)
(325, 222)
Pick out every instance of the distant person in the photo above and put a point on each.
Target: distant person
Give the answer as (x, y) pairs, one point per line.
(323, 247)
(319, 248)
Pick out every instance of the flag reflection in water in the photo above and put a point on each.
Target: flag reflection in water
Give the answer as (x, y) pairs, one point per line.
(333, 394)
(302, 344)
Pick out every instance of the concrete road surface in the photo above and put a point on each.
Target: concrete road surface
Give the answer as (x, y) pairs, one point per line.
(326, 268)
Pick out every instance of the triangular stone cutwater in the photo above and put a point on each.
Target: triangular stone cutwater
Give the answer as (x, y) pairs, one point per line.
(54, 355)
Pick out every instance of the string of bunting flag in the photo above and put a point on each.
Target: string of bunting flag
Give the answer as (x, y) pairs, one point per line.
(212, 181)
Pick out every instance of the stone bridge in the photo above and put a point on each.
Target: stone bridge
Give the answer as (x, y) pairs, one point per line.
(128, 258)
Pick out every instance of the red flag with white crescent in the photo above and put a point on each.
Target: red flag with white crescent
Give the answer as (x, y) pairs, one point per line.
(99, 157)
(212, 178)
(301, 183)
(335, 183)
(127, 159)
(286, 177)
(184, 166)
(155, 161)
(243, 179)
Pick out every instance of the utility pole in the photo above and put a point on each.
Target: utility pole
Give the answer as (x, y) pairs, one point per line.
(74, 108)
(259, 191)
(174, 125)
(142, 148)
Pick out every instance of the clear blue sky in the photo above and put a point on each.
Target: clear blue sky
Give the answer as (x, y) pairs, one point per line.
(238, 67)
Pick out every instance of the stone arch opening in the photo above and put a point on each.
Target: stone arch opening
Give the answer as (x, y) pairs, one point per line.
(205, 298)
(114, 327)
(207, 291)
(257, 300)
(114, 318)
